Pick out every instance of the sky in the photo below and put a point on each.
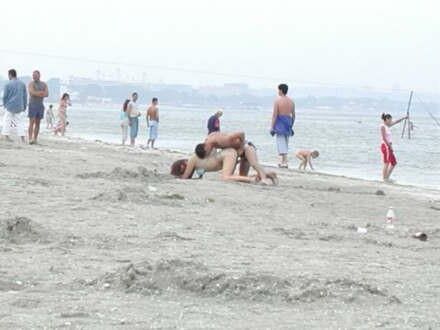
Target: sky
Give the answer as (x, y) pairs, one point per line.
(382, 44)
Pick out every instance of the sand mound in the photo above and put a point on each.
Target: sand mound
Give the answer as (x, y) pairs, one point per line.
(139, 196)
(293, 233)
(171, 236)
(135, 195)
(119, 173)
(21, 230)
(176, 275)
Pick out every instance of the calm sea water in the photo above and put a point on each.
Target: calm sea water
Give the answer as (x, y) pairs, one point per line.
(348, 140)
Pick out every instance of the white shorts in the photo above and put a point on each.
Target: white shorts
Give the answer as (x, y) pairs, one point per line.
(154, 125)
(14, 123)
(283, 144)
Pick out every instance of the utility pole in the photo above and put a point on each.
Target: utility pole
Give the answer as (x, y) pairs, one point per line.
(407, 122)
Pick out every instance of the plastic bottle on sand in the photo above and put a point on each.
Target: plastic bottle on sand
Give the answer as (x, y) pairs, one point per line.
(390, 218)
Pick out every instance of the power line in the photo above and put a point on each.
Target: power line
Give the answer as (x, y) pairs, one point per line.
(427, 110)
(193, 71)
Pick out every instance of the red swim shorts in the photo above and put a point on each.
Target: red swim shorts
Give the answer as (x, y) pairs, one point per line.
(388, 155)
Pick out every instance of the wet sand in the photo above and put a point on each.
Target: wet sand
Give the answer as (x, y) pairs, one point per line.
(100, 236)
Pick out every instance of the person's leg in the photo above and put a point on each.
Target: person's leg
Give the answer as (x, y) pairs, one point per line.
(282, 149)
(20, 122)
(31, 129)
(132, 139)
(392, 165)
(390, 170)
(302, 161)
(385, 171)
(124, 128)
(134, 132)
(63, 127)
(286, 139)
(37, 128)
(251, 156)
(229, 164)
(6, 129)
(244, 167)
(153, 134)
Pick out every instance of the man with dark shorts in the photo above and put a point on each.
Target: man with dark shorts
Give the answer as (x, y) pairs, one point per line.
(214, 122)
(37, 92)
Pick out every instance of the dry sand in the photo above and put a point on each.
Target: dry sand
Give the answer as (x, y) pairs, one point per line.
(100, 236)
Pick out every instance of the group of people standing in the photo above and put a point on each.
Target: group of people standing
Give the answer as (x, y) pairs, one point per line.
(17, 99)
(130, 115)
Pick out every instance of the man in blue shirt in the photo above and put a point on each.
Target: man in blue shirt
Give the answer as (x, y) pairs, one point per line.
(15, 102)
(214, 122)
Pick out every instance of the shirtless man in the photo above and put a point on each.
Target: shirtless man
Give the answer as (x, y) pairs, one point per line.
(219, 140)
(224, 160)
(246, 151)
(37, 91)
(283, 117)
(152, 121)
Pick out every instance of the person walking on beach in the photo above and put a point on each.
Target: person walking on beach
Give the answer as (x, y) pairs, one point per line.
(214, 122)
(133, 116)
(50, 117)
(153, 121)
(37, 92)
(283, 117)
(389, 159)
(62, 115)
(14, 102)
(124, 121)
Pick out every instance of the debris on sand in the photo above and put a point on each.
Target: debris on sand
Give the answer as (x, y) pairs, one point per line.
(171, 236)
(173, 196)
(379, 193)
(420, 236)
(21, 230)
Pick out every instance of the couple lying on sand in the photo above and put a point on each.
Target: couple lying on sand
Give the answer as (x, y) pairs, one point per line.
(222, 152)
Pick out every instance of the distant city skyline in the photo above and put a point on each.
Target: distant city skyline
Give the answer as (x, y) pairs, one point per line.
(382, 44)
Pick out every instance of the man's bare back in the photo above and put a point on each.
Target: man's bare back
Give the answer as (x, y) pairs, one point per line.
(285, 106)
(224, 140)
(153, 113)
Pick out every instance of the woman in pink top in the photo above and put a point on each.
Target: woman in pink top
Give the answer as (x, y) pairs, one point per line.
(389, 159)
(62, 115)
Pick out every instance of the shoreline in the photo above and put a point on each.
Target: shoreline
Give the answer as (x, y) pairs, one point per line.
(265, 164)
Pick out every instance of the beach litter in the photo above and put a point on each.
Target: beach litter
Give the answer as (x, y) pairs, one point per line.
(362, 230)
(420, 236)
(152, 189)
(390, 218)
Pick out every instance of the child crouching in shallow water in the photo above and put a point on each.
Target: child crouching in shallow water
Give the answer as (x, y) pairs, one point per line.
(305, 157)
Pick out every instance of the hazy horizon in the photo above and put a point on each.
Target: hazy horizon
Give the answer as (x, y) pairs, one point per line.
(378, 44)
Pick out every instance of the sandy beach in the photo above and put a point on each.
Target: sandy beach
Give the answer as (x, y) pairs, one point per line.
(94, 235)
